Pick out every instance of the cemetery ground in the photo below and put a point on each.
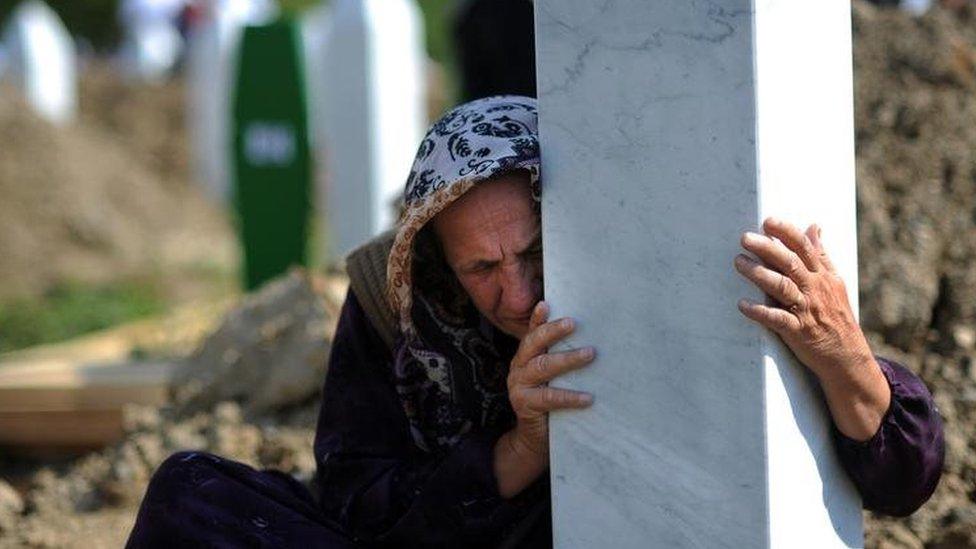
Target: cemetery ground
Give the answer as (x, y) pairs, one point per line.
(100, 224)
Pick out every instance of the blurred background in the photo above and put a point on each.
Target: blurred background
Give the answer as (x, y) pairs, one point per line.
(155, 297)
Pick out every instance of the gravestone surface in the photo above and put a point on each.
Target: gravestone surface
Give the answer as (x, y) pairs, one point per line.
(272, 165)
(373, 104)
(668, 129)
(151, 44)
(41, 59)
(315, 26)
(211, 55)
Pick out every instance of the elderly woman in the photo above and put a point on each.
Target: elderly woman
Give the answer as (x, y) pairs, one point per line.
(433, 428)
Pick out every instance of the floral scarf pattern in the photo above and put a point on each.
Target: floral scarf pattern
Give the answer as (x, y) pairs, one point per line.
(450, 364)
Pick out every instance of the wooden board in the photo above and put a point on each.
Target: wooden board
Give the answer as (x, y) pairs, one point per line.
(44, 434)
(51, 406)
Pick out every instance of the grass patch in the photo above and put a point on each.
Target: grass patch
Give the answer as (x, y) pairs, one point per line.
(73, 309)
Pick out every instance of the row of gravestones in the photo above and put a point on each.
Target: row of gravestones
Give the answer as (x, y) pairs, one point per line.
(331, 107)
(39, 56)
(279, 112)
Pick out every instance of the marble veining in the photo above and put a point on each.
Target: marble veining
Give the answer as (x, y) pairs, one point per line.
(667, 128)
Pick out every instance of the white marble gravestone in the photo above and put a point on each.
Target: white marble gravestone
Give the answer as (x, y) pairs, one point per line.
(374, 114)
(41, 59)
(315, 25)
(211, 56)
(3, 60)
(151, 44)
(668, 128)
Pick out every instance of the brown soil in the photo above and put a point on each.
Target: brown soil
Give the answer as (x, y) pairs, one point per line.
(269, 352)
(915, 105)
(105, 198)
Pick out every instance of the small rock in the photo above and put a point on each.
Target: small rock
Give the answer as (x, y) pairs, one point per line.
(960, 536)
(964, 336)
(140, 418)
(228, 413)
(184, 437)
(11, 506)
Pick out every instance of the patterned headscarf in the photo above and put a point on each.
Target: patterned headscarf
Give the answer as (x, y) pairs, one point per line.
(450, 364)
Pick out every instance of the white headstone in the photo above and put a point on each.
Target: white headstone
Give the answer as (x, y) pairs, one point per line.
(315, 26)
(3, 60)
(211, 54)
(374, 114)
(152, 43)
(917, 7)
(668, 129)
(41, 59)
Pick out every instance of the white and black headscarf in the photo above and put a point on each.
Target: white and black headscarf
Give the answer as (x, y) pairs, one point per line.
(450, 364)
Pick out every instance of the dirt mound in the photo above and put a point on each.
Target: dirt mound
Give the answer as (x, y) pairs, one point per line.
(915, 106)
(269, 352)
(150, 116)
(95, 201)
(92, 503)
(250, 393)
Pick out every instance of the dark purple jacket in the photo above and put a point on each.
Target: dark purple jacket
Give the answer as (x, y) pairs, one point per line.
(381, 488)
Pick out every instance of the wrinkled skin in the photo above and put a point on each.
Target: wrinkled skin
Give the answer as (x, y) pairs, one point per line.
(491, 240)
(811, 314)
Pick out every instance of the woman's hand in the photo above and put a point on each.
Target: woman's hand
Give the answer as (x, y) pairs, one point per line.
(522, 454)
(813, 317)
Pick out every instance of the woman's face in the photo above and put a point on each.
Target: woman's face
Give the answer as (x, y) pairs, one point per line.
(492, 240)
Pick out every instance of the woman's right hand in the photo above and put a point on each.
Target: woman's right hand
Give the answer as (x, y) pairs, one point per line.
(532, 368)
(522, 454)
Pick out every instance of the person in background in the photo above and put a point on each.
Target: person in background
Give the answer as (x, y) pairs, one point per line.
(496, 48)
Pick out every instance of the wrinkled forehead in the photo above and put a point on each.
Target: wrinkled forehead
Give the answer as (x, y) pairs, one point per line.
(497, 205)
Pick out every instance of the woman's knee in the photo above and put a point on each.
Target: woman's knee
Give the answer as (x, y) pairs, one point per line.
(182, 467)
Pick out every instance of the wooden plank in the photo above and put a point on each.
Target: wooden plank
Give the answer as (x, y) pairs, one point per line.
(65, 387)
(58, 432)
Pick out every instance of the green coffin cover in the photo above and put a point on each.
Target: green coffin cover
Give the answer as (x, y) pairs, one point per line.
(272, 161)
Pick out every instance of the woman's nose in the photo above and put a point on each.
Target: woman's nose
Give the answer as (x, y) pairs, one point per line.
(521, 288)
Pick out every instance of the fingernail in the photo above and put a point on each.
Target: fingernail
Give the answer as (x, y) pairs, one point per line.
(819, 232)
(750, 238)
(566, 323)
(743, 304)
(585, 398)
(588, 353)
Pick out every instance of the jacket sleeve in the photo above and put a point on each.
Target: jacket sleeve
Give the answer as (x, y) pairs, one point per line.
(897, 470)
(372, 478)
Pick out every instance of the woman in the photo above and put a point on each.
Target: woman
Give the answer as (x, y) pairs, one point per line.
(433, 425)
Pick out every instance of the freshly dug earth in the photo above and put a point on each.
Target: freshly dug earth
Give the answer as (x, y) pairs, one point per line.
(105, 198)
(916, 146)
(270, 352)
(92, 502)
(915, 108)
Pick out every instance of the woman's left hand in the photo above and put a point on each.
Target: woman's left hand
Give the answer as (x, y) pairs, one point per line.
(812, 315)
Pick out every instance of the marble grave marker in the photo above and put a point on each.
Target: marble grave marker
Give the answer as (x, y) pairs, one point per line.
(41, 59)
(374, 114)
(668, 128)
(211, 54)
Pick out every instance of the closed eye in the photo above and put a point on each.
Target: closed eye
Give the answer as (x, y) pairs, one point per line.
(534, 251)
(480, 267)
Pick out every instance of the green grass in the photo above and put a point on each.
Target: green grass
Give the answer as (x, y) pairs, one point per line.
(74, 309)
